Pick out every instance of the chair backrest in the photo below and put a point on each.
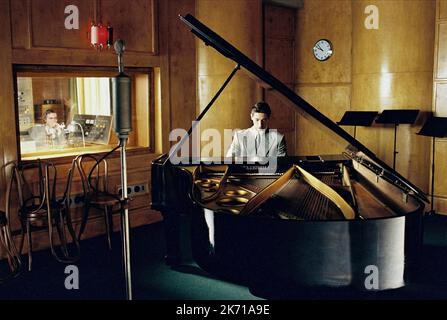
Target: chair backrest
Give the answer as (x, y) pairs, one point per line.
(94, 173)
(9, 168)
(35, 182)
(37, 202)
(6, 238)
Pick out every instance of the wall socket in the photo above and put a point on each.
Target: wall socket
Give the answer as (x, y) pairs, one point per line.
(77, 200)
(134, 189)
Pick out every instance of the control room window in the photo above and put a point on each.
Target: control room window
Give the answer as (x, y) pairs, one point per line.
(69, 112)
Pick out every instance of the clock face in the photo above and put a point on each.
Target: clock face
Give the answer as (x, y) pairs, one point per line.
(322, 50)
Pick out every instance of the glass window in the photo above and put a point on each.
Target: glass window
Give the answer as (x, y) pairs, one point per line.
(60, 113)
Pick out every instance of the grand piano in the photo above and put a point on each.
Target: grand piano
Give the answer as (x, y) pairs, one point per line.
(313, 221)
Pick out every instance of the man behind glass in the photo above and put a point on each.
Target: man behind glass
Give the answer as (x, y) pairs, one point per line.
(51, 133)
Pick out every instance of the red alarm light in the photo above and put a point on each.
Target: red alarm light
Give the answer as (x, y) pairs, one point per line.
(101, 36)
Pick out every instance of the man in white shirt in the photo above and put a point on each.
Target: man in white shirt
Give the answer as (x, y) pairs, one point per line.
(51, 134)
(258, 140)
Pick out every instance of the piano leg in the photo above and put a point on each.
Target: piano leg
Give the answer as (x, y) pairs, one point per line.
(171, 221)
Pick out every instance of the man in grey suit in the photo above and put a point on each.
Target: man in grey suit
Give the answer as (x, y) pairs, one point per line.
(258, 140)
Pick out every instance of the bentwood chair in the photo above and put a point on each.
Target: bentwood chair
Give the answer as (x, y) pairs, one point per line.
(38, 208)
(94, 174)
(8, 248)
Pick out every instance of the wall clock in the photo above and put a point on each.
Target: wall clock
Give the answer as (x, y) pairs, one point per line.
(322, 50)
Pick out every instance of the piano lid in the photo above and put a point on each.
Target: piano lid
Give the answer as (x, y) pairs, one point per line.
(268, 81)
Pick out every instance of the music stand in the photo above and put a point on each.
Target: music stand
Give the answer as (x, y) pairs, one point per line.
(435, 127)
(357, 118)
(396, 117)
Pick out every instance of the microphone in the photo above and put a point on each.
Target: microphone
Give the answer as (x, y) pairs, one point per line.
(122, 125)
(121, 96)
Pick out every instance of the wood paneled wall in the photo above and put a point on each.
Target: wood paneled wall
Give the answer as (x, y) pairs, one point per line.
(8, 147)
(326, 85)
(33, 33)
(279, 60)
(182, 62)
(240, 23)
(440, 106)
(39, 24)
(391, 72)
(39, 35)
(369, 70)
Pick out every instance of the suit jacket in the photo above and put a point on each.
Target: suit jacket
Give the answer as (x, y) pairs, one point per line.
(45, 137)
(253, 143)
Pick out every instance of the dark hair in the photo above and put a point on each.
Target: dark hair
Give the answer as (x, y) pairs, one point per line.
(261, 107)
(48, 112)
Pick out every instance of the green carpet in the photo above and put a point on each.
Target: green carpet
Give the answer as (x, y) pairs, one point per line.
(102, 276)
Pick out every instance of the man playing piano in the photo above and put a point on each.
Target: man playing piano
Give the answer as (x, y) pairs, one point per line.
(258, 140)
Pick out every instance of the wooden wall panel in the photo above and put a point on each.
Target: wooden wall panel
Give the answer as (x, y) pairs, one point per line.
(40, 23)
(282, 119)
(327, 84)
(8, 147)
(440, 103)
(47, 24)
(312, 138)
(391, 73)
(134, 22)
(89, 57)
(440, 205)
(182, 62)
(238, 22)
(279, 22)
(143, 118)
(324, 19)
(379, 91)
(441, 65)
(442, 9)
(20, 27)
(231, 110)
(388, 49)
(279, 60)
(49, 89)
(441, 168)
(439, 107)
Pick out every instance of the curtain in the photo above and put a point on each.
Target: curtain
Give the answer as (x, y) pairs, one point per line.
(72, 101)
(93, 96)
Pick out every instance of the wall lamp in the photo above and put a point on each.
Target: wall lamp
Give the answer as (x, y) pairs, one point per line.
(101, 36)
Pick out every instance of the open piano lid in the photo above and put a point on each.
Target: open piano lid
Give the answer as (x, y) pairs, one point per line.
(355, 149)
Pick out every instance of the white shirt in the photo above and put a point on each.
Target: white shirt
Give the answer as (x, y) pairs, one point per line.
(46, 136)
(253, 142)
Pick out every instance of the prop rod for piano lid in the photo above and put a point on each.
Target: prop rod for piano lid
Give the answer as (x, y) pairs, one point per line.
(202, 114)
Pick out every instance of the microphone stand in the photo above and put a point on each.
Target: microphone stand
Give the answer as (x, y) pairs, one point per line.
(122, 133)
(125, 226)
(74, 123)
